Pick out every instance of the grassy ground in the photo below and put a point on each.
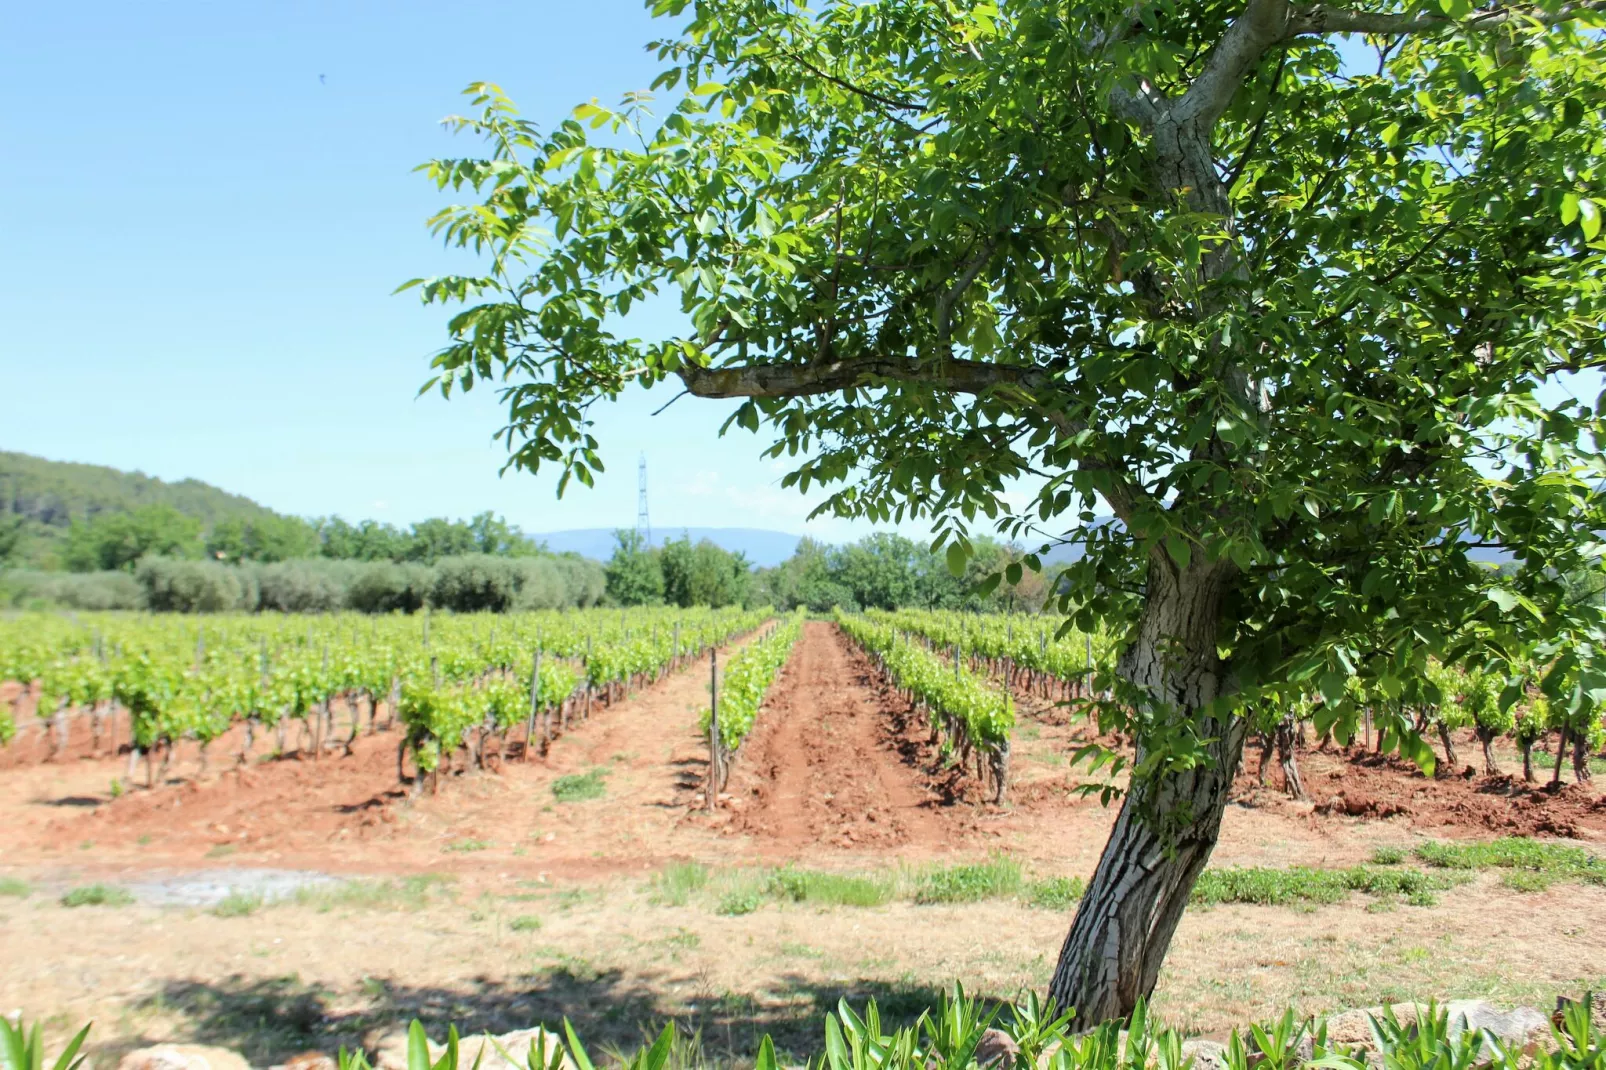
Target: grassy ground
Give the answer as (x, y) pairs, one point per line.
(742, 951)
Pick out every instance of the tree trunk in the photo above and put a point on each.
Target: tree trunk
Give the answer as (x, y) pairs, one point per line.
(1169, 821)
(1581, 758)
(1527, 746)
(1486, 738)
(1263, 773)
(1292, 784)
(1452, 765)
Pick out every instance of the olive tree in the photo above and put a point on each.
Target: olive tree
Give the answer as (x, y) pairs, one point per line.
(1292, 290)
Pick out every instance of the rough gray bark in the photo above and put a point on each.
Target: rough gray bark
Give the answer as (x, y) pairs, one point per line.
(1168, 824)
(1292, 784)
(1486, 739)
(1581, 772)
(1452, 764)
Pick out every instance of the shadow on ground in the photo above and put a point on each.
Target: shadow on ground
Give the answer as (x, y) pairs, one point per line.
(268, 1020)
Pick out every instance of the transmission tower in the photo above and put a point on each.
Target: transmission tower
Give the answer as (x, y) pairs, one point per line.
(643, 525)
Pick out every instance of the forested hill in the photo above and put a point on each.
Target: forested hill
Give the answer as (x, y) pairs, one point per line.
(56, 492)
(49, 495)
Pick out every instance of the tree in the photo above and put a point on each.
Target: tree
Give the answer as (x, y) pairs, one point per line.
(702, 574)
(633, 574)
(10, 537)
(1284, 308)
(118, 540)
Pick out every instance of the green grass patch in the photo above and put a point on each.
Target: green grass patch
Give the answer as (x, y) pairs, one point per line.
(735, 904)
(14, 887)
(830, 889)
(1531, 865)
(466, 846)
(237, 905)
(1388, 856)
(1305, 885)
(97, 895)
(997, 878)
(525, 923)
(1055, 893)
(675, 884)
(406, 893)
(578, 787)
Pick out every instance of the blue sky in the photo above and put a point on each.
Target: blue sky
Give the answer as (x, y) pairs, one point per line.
(201, 238)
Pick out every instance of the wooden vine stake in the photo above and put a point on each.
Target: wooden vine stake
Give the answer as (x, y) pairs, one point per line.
(535, 701)
(715, 760)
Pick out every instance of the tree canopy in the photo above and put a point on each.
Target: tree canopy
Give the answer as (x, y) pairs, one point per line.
(1295, 290)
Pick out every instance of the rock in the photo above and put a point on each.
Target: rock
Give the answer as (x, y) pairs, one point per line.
(996, 1048)
(1523, 1029)
(1206, 1054)
(183, 1057)
(390, 1052)
(307, 1060)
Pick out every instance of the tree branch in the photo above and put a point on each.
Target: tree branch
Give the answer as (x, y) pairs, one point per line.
(1322, 19)
(1263, 24)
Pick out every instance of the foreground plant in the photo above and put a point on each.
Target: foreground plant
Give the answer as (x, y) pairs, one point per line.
(963, 1032)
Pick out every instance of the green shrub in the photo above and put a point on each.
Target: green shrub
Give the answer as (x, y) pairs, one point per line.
(175, 586)
(578, 787)
(97, 895)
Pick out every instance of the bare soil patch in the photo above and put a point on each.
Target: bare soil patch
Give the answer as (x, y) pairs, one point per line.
(836, 759)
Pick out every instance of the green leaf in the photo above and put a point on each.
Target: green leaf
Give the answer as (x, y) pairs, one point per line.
(1180, 551)
(1588, 218)
(766, 1055)
(417, 1047)
(956, 556)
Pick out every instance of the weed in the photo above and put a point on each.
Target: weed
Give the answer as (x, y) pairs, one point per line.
(998, 877)
(465, 846)
(525, 923)
(829, 889)
(237, 905)
(578, 787)
(222, 850)
(408, 893)
(13, 886)
(733, 904)
(675, 885)
(117, 788)
(1055, 893)
(97, 895)
(1541, 864)
(1305, 885)
(1388, 856)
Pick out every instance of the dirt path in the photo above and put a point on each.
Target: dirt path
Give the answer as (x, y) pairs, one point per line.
(833, 762)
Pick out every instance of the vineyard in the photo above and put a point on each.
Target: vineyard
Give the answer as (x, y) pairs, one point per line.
(460, 688)
(532, 792)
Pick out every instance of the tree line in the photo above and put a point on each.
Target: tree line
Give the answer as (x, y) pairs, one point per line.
(881, 571)
(120, 540)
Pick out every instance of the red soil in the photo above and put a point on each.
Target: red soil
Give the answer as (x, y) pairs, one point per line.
(835, 758)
